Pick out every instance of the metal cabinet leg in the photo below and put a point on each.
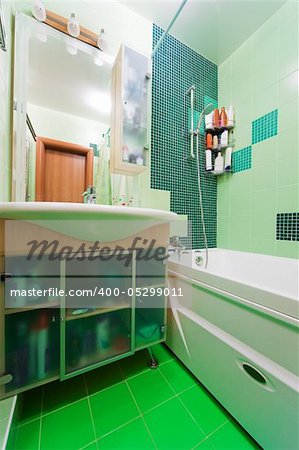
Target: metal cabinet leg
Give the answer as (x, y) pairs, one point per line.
(153, 363)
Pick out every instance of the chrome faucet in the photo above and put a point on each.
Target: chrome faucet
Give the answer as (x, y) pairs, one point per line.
(90, 195)
(176, 246)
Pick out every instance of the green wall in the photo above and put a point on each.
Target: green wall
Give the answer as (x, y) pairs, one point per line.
(259, 78)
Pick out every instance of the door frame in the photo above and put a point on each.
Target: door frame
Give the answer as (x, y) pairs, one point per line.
(42, 144)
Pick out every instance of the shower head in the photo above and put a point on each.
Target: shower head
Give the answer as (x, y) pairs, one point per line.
(207, 110)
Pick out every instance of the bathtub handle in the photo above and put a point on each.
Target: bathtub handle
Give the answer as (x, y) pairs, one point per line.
(254, 373)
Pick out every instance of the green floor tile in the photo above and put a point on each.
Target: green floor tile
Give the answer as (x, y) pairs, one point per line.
(92, 446)
(132, 436)
(31, 405)
(104, 377)
(162, 353)
(112, 408)
(232, 437)
(205, 445)
(172, 428)
(27, 437)
(59, 394)
(208, 414)
(135, 364)
(150, 389)
(69, 428)
(177, 375)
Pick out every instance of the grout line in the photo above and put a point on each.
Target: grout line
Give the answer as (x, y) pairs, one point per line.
(142, 416)
(119, 427)
(209, 435)
(90, 411)
(41, 419)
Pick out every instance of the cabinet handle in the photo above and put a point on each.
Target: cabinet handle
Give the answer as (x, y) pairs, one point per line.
(5, 276)
(254, 373)
(5, 379)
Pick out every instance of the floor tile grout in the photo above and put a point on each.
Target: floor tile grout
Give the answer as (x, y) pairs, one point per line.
(142, 418)
(208, 436)
(90, 411)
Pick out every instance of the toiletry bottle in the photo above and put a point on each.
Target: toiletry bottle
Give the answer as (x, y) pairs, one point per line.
(223, 118)
(42, 344)
(209, 141)
(228, 159)
(230, 116)
(215, 142)
(216, 118)
(209, 121)
(219, 163)
(208, 160)
(224, 138)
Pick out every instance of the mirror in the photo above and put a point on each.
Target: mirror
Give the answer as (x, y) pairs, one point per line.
(62, 114)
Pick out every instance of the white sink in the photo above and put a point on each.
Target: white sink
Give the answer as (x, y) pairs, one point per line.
(88, 222)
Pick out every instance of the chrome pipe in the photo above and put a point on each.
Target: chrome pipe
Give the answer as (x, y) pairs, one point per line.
(168, 28)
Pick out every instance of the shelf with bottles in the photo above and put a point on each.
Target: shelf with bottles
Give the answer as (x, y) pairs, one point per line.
(216, 173)
(81, 313)
(32, 347)
(97, 339)
(33, 307)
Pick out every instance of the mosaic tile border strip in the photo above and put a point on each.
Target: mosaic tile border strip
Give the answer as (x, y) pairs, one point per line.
(242, 159)
(287, 227)
(265, 127)
(176, 67)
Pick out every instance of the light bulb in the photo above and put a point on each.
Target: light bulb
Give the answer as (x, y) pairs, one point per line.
(100, 42)
(39, 11)
(73, 26)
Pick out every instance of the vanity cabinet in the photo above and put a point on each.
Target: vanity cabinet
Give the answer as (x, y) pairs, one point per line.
(55, 337)
(130, 110)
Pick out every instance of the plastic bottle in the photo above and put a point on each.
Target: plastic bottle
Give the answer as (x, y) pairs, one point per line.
(224, 139)
(228, 159)
(223, 118)
(208, 160)
(209, 121)
(215, 142)
(219, 163)
(209, 142)
(216, 118)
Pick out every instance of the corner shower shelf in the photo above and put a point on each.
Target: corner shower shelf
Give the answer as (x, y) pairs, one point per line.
(219, 129)
(216, 174)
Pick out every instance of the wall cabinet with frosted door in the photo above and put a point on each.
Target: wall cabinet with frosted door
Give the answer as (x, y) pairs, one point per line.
(57, 337)
(130, 111)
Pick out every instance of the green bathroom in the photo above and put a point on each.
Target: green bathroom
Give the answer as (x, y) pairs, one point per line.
(149, 279)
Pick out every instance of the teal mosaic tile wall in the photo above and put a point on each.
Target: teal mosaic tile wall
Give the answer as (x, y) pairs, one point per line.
(176, 67)
(265, 127)
(241, 159)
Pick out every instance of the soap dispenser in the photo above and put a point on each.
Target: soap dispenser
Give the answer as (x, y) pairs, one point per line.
(223, 118)
(219, 164)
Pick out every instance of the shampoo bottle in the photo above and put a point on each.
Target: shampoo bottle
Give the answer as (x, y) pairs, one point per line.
(209, 121)
(215, 142)
(224, 139)
(208, 160)
(223, 117)
(216, 118)
(228, 159)
(219, 163)
(209, 141)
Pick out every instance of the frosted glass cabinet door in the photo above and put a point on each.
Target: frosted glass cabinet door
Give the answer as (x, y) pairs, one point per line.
(135, 106)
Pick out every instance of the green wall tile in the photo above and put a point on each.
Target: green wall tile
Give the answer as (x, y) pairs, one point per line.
(240, 227)
(287, 172)
(288, 198)
(264, 177)
(240, 204)
(263, 226)
(287, 249)
(263, 201)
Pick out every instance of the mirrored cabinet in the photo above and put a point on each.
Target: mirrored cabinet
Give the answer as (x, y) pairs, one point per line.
(130, 104)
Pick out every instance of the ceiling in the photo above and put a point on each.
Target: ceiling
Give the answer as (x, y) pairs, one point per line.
(71, 84)
(214, 28)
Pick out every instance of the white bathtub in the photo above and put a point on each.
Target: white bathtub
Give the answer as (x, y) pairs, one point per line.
(241, 312)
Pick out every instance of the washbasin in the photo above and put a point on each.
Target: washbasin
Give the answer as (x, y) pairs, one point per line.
(85, 221)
